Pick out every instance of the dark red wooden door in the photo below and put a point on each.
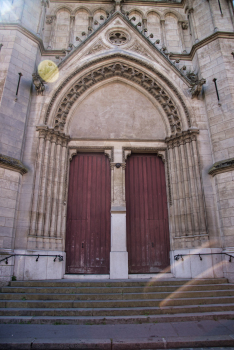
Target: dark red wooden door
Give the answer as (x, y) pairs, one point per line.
(147, 215)
(88, 214)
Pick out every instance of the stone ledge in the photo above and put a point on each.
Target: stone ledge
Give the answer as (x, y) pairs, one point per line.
(12, 164)
(222, 166)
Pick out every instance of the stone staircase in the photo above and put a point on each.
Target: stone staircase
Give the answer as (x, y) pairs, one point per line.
(109, 302)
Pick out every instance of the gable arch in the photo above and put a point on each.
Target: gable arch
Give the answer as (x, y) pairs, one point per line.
(154, 12)
(63, 8)
(99, 9)
(82, 8)
(178, 16)
(136, 11)
(152, 81)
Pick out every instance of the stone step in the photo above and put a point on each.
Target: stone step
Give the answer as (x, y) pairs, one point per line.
(114, 290)
(111, 283)
(100, 320)
(113, 303)
(137, 311)
(116, 296)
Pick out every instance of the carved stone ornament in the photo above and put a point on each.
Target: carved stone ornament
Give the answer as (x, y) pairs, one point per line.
(108, 151)
(138, 48)
(12, 164)
(196, 83)
(125, 71)
(197, 88)
(184, 25)
(99, 46)
(38, 83)
(222, 166)
(49, 19)
(182, 138)
(118, 38)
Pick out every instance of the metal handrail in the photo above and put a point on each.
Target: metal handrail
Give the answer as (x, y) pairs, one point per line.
(59, 257)
(178, 256)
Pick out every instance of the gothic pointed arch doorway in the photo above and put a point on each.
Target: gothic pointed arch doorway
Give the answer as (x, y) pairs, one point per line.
(146, 213)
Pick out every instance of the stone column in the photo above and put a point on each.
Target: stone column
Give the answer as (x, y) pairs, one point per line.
(230, 6)
(50, 185)
(213, 16)
(118, 254)
(200, 194)
(41, 205)
(144, 26)
(61, 197)
(71, 32)
(163, 33)
(186, 188)
(172, 210)
(37, 181)
(55, 189)
(90, 26)
(40, 28)
(51, 20)
(193, 26)
(181, 26)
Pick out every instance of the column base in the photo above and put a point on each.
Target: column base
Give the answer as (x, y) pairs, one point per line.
(118, 265)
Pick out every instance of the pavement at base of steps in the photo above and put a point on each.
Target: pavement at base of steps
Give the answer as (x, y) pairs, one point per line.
(173, 335)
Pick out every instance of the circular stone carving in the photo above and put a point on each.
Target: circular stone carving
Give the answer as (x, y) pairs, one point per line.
(118, 38)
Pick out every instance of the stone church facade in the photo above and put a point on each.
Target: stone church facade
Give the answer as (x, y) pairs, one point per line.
(93, 94)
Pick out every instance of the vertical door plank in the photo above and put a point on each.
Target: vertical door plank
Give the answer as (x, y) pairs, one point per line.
(88, 214)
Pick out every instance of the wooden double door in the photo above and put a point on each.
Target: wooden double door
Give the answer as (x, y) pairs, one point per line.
(88, 214)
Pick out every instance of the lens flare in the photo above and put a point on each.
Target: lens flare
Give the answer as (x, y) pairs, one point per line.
(7, 11)
(48, 71)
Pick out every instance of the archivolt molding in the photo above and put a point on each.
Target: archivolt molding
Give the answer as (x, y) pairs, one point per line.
(127, 71)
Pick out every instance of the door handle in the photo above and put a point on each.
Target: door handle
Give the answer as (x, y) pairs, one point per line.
(82, 245)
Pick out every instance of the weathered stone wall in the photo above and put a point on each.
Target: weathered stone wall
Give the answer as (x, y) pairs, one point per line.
(18, 55)
(10, 182)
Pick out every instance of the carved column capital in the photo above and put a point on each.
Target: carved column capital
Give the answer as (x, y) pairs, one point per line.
(183, 24)
(65, 141)
(50, 19)
(126, 154)
(53, 137)
(42, 131)
(182, 138)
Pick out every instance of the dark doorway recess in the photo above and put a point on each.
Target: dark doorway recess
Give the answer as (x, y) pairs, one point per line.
(88, 214)
(147, 214)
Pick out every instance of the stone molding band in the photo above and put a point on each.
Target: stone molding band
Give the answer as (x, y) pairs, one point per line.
(52, 135)
(127, 71)
(222, 167)
(182, 138)
(12, 164)
(182, 56)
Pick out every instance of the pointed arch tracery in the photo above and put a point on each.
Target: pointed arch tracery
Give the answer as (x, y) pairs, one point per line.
(127, 71)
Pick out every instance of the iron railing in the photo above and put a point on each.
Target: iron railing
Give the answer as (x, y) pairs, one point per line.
(181, 256)
(59, 257)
